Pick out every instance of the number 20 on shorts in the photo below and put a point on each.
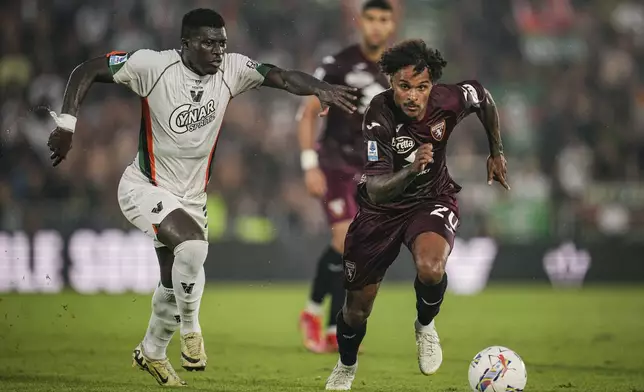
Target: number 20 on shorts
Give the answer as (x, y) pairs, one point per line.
(451, 218)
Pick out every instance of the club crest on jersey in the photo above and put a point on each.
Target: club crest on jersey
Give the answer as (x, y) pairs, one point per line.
(196, 95)
(403, 144)
(187, 118)
(438, 130)
(350, 270)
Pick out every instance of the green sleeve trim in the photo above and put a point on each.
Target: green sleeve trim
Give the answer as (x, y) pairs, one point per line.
(263, 69)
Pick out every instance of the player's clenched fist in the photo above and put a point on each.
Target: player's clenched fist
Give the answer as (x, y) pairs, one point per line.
(424, 155)
(60, 142)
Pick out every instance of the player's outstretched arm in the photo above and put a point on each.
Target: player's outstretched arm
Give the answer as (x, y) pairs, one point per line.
(301, 83)
(496, 163)
(80, 80)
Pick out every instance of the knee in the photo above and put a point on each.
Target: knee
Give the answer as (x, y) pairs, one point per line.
(357, 312)
(356, 316)
(196, 235)
(430, 269)
(190, 256)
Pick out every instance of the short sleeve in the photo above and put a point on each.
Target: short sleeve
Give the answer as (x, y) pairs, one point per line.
(378, 131)
(135, 70)
(242, 73)
(473, 94)
(462, 98)
(328, 71)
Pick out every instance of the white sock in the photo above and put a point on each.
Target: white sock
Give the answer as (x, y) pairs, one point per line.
(424, 328)
(188, 281)
(314, 307)
(163, 322)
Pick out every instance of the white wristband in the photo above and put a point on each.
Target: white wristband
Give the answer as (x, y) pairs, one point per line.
(64, 121)
(309, 159)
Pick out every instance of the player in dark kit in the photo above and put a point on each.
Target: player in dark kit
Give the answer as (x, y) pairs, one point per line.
(332, 172)
(408, 197)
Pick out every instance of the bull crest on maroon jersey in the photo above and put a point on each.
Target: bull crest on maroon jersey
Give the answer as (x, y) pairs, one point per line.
(350, 270)
(438, 130)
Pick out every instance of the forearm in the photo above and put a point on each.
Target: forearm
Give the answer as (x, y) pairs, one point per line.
(80, 81)
(489, 116)
(386, 187)
(300, 83)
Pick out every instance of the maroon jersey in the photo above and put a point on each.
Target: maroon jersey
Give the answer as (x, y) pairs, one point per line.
(341, 143)
(391, 140)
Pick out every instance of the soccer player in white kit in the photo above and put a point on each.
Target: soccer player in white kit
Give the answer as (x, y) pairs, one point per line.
(184, 94)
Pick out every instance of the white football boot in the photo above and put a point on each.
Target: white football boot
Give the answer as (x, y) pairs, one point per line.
(193, 352)
(430, 353)
(160, 369)
(341, 377)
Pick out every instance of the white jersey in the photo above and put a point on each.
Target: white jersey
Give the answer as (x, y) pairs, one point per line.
(182, 113)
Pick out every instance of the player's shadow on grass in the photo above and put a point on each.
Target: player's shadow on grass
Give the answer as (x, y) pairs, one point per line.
(86, 383)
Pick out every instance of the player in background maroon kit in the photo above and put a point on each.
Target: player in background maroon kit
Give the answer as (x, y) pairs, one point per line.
(408, 197)
(333, 168)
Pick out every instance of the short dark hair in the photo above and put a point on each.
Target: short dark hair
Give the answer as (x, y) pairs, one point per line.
(200, 17)
(413, 52)
(377, 4)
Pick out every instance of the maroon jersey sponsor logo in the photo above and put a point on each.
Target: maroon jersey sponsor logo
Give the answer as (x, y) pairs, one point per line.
(403, 144)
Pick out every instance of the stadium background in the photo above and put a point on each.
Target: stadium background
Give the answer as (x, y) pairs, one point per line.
(565, 76)
(568, 80)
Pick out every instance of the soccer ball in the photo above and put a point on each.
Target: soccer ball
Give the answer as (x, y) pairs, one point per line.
(497, 369)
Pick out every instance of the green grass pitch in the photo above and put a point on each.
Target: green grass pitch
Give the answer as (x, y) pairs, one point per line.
(588, 340)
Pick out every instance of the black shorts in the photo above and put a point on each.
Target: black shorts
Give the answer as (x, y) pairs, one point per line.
(374, 239)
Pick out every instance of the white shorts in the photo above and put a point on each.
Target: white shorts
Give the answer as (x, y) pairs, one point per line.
(146, 205)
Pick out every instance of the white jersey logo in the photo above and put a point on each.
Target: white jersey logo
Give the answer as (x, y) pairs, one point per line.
(185, 118)
(403, 144)
(373, 124)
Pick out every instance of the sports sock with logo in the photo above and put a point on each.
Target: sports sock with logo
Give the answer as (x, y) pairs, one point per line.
(188, 281)
(349, 340)
(324, 275)
(429, 299)
(164, 321)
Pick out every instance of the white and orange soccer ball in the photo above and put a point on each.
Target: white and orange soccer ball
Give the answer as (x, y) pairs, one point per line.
(497, 369)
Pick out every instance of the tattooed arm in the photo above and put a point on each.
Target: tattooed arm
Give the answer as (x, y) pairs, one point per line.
(487, 112)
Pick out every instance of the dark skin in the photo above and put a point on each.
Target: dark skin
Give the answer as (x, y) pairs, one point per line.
(203, 53)
(429, 250)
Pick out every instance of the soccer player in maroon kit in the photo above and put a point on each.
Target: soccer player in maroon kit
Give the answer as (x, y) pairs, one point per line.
(407, 196)
(333, 170)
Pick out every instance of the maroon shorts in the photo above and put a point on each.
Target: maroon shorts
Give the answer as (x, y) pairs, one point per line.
(374, 239)
(340, 202)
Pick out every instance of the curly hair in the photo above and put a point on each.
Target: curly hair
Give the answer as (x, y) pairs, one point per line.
(413, 52)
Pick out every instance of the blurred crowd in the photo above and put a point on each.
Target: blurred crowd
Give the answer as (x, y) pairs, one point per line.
(566, 76)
